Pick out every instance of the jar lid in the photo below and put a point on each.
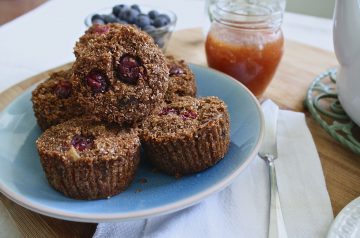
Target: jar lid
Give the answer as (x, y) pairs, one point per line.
(249, 14)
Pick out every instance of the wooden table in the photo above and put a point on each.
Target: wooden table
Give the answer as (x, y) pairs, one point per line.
(298, 68)
(10, 9)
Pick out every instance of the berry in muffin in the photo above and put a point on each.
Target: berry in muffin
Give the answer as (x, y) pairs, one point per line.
(89, 160)
(181, 80)
(187, 136)
(54, 101)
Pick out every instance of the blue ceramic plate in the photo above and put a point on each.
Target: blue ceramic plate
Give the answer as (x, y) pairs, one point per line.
(23, 180)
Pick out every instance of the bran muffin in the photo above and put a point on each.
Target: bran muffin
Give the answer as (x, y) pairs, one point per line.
(181, 79)
(187, 136)
(88, 160)
(120, 74)
(54, 101)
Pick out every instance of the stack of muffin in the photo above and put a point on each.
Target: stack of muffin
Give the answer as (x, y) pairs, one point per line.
(120, 94)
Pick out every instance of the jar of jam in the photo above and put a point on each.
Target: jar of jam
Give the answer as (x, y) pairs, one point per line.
(245, 41)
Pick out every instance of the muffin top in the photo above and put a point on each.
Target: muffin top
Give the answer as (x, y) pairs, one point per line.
(184, 117)
(181, 79)
(82, 138)
(119, 72)
(54, 100)
(57, 87)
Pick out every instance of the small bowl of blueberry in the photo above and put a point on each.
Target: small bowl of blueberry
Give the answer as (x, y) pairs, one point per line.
(158, 23)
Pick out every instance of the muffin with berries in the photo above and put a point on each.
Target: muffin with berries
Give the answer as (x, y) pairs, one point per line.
(187, 136)
(88, 160)
(181, 79)
(54, 101)
(121, 76)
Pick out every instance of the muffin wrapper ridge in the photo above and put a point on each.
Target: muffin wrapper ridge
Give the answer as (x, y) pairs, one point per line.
(90, 179)
(182, 156)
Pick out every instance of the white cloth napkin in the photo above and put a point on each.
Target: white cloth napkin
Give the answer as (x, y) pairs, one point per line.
(242, 209)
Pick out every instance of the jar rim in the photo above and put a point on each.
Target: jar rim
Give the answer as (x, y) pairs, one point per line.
(247, 15)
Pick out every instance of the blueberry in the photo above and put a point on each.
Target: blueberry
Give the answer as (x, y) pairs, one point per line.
(166, 17)
(130, 69)
(63, 89)
(153, 14)
(98, 21)
(136, 8)
(121, 15)
(97, 81)
(159, 22)
(111, 18)
(81, 142)
(129, 15)
(96, 17)
(116, 10)
(121, 21)
(149, 28)
(119, 9)
(142, 21)
(175, 70)
(122, 11)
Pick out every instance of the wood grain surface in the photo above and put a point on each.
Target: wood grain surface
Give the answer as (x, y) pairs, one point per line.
(10, 9)
(299, 66)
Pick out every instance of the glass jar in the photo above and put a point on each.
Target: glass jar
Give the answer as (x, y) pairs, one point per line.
(245, 41)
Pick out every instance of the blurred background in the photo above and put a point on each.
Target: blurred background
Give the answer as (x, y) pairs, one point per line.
(319, 8)
(10, 9)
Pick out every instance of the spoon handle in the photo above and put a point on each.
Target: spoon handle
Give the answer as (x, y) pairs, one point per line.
(276, 224)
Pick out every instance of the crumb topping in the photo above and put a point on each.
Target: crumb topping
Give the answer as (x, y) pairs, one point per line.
(54, 101)
(133, 68)
(185, 116)
(181, 79)
(81, 138)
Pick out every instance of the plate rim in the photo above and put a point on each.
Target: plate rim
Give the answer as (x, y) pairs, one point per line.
(170, 208)
(342, 216)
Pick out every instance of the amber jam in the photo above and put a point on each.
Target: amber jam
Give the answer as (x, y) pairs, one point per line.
(247, 49)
